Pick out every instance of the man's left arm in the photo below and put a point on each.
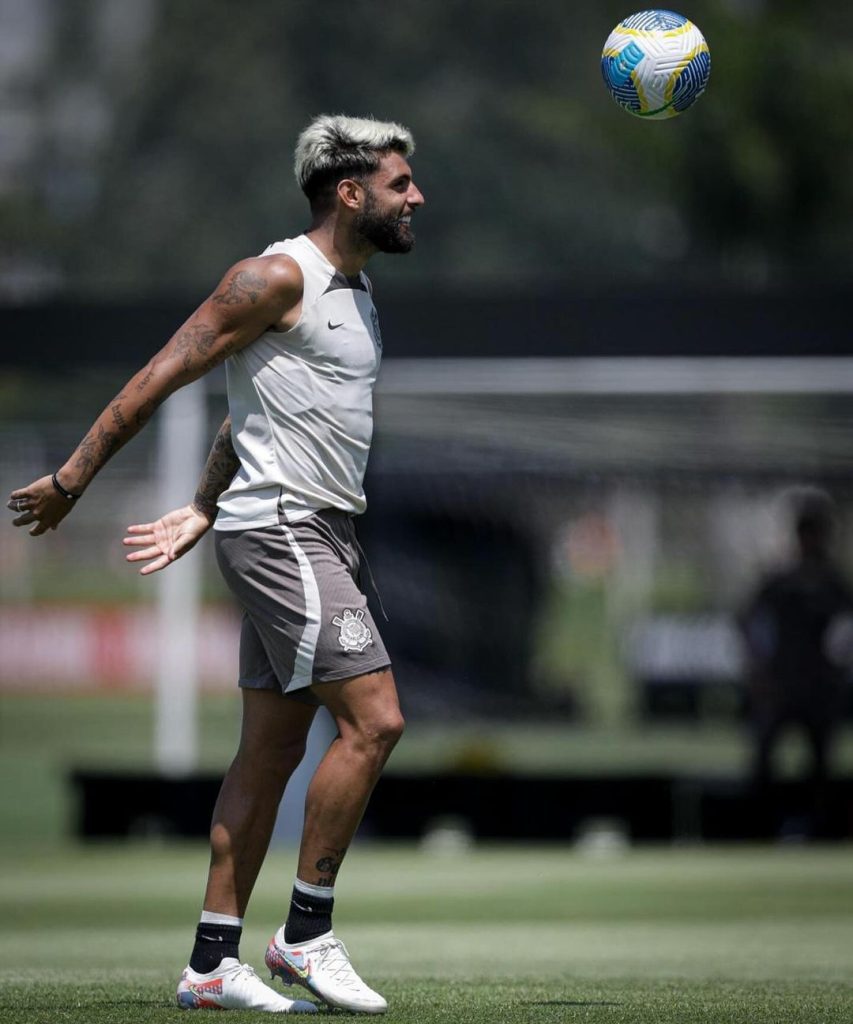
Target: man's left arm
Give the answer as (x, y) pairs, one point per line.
(177, 532)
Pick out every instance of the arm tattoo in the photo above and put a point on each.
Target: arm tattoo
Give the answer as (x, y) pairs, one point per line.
(329, 866)
(243, 285)
(118, 423)
(222, 464)
(197, 338)
(220, 356)
(95, 449)
(127, 414)
(146, 411)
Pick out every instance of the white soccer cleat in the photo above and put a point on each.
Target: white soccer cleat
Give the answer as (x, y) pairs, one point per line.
(322, 966)
(234, 986)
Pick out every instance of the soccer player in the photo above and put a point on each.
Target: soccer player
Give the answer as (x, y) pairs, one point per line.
(796, 677)
(299, 334)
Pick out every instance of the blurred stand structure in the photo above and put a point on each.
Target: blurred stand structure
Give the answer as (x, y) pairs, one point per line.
(550, 537)
(556, 540)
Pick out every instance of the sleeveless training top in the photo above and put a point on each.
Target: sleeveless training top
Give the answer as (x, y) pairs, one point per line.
(301, 402)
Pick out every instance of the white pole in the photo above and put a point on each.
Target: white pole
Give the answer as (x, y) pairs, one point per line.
(179, 457)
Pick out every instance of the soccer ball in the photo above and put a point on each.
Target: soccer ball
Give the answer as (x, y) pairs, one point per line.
(656, 64)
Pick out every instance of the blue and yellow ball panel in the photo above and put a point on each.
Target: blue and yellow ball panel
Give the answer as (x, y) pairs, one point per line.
(618, 71)
(691, 83)
(654, 21)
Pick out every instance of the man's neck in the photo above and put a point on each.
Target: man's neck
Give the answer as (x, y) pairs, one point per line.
(338, 248)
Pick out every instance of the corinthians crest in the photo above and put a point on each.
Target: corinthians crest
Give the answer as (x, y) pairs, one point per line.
(355, 635)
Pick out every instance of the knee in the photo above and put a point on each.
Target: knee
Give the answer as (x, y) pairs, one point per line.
(391, 729)
(380, 733)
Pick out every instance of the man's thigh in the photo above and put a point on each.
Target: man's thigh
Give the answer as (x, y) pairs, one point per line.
(306, 619)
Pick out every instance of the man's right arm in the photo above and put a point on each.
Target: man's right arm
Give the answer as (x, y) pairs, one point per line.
(253, 296)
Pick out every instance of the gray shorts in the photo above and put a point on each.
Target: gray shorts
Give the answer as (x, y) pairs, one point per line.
(305, 618)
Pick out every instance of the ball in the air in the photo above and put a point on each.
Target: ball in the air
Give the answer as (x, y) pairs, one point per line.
(656, 64)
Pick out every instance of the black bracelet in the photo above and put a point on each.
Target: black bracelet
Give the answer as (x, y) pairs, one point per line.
(62, 491)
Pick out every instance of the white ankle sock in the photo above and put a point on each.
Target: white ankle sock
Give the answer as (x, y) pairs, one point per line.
(208, 917)
(323, 891)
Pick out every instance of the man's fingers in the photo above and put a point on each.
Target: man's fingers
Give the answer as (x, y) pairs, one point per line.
(39, 529)
(24, 520)
(141, 528)
(161, 563)
(137, 541)
(141, 556)
(19, 504)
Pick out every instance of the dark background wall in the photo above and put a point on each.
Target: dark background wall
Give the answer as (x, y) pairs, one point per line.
(63, 334)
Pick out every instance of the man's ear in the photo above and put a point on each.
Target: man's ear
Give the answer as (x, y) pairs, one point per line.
(350, 193)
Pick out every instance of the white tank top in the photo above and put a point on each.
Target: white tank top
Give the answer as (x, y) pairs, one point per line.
(301, 402)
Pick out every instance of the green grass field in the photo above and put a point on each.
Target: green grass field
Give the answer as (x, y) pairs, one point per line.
(98, 934)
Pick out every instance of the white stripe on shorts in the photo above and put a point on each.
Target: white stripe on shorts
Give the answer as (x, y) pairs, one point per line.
(303, 667)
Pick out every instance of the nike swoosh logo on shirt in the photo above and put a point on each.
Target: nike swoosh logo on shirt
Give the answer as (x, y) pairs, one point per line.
(334, 327)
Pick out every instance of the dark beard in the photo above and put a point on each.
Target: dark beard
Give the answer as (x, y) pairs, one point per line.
(384, 232)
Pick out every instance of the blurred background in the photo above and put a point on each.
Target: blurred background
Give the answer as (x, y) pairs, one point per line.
(615, 365)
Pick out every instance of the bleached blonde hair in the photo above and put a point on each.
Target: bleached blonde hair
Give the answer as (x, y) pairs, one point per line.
(335, 146)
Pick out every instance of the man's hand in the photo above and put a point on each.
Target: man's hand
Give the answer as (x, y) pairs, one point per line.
(39, 503)
(167, 539)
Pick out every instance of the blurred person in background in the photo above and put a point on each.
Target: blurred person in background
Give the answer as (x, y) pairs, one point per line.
(796, 678)
(300, 337)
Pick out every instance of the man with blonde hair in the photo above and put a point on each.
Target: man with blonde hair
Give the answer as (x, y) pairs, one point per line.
(299, 335)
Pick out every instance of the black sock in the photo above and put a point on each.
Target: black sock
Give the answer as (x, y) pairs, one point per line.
(309, 917)
(213, 942)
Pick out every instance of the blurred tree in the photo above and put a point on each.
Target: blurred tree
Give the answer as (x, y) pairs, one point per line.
(768, 187)
(165, 134)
